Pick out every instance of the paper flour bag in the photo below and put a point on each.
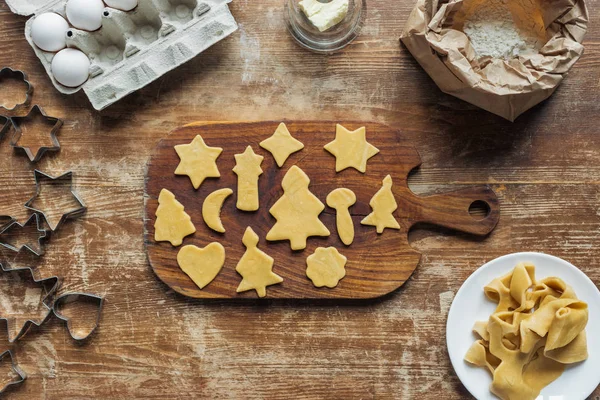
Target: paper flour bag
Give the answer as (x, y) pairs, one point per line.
(504, 56)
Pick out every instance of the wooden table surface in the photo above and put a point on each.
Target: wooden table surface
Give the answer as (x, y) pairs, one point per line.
(153, 343)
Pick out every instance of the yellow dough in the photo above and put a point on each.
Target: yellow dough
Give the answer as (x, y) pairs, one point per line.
(297, 211)
(537, 329)
(281, 144)
(341, 200)
(247, 168)
(255, 267)
(201, 265)
(383, 204)
(198, 161)
(325, 267)
(211, 209)
(351, 149)
(172, 222)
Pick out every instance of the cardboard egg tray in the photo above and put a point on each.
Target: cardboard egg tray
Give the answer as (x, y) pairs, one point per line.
(133, 48)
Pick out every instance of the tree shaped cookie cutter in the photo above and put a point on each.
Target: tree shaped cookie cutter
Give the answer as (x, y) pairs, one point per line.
(16, 369)
(69, 297)
(54, 284)
(17, 122)
(8, 72)
(66, 177)
(13, 224)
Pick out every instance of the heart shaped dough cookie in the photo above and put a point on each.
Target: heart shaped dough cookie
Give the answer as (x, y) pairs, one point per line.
(202, 265)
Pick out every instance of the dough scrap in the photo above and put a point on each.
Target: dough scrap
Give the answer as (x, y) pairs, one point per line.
(326, 267)
(172, 222)
(537, 329)
(351, 149)
(202, 265)
(198, 161)
(255, 267)
(281, 144)
(211, 209)
(247, 168)
(383, 204)
(341, 200)
(297, 212)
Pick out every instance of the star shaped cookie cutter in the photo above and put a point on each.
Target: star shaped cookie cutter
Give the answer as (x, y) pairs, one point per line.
(16, 369)
(68, 176)
(17, 122)
(14, 224)
(46, 301)
(8, 72)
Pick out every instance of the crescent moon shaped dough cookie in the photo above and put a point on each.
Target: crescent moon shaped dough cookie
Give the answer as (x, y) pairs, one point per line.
(351, 149)
(198, 161)
(172, 222)
(247, 168)
(211, 209)
(281, 144)
(383, 204)
(325, 267)
(297, 211)
(255, 267)
(201, 265)
(537, 329)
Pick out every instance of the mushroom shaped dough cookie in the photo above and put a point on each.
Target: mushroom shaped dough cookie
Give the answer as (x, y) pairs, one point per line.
(341, 200)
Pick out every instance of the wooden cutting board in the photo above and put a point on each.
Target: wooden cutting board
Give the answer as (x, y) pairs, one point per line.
(377, 264)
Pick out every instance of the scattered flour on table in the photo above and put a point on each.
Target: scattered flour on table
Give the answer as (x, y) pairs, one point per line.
(505, 28)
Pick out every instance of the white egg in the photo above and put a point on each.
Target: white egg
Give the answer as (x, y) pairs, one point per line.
(71, 67)
(125, 5)
(85, 14)
(48, 31)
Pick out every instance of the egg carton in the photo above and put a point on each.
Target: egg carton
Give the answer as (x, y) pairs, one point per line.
(134, 48)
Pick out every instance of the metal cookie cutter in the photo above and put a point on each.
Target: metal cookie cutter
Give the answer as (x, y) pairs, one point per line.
(17, 122)
(8, 72)
(16, 369)
(50, 285)
(71, 297)
(41, 237)
(41, 177)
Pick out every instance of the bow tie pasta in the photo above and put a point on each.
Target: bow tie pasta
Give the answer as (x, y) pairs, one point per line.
(537, 329)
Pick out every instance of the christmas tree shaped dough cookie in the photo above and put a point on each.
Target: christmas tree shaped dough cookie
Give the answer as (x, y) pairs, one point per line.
(325, 267)
(351, 149)
(255, 267)
(281, 144)
(297, 211)
(247, 168)
(201, 265)
(172, 222)
(198, 161)
(383, 204)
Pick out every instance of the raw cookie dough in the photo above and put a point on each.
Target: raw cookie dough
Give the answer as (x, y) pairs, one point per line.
(341, 200)
(297, 211)
(211, 209)
(201, 265)
(198, 161)
(247, 168)
(172, 222)
(281, 144)
(325, 267)
(383, 204)
(351, 149)
(255, 267)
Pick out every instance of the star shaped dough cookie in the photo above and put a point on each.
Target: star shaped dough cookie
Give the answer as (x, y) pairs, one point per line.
(281, 144)
(198, 161)
(351, 149)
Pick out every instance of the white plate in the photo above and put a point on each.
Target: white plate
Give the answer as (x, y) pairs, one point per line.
(470, 305)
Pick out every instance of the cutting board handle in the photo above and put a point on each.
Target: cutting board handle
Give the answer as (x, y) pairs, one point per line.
(451, 210)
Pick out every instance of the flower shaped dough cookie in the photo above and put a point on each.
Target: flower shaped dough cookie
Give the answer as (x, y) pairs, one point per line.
(325, 267)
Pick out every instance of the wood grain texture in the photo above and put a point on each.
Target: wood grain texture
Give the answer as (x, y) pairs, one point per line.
(154, 343)
(377, 263)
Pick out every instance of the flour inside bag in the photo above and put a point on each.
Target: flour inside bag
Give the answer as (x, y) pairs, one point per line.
(504, 56)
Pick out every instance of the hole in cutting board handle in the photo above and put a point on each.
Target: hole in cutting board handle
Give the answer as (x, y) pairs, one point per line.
(479, 210)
